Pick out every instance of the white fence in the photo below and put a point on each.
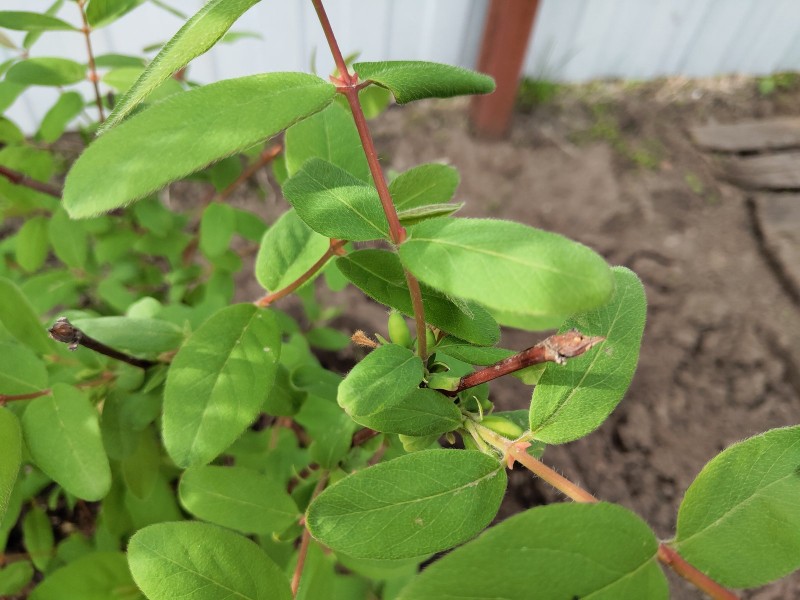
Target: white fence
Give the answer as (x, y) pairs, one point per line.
(574, 40)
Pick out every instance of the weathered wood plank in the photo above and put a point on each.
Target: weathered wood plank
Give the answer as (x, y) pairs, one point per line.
(767, 172)
(749, 136)
(778, 221)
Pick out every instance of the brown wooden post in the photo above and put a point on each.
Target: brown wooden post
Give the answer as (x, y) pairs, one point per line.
(508, 27)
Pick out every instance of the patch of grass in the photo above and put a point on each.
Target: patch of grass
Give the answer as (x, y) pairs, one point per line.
(605, 128)
(694, 183)
(535, 92)
(778, 82)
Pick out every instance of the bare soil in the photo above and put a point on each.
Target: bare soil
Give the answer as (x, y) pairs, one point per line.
(613, 167)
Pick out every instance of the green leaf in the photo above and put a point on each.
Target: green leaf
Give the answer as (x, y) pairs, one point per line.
(330, 135)
(68, 239)
(9, 92)
(599, 551)
(379, 274)
(116, 61)
(218, 382)
(382, 392)
(508, 267)
(140, 467)
(431, 183)
(336, 204)
(573, 399)
(18, 317)
(411, 506)
(123, 78)
(68, 106)
(46, 71)
(137, 336)
(21, 371)
(37, 533)
(63, 435)
(32, 244)
(238, 498)
(412, 216)
(29, 21)
(740, 519)
(103, 12)
(95, 576)
(184, 133)
(414, 80)
(289, 248)
(196, 37)
(216, 229)
(11, 451)
(169, 559)
(124, 416)
(14, 577)
(331, 429)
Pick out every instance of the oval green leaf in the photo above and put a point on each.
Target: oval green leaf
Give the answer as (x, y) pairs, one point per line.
(218, 382)
(186, 132)
(68, 239)
(216, 229)
(237, 498)
(95, 576)
(11, 451)
(382, 392)
(37, 535)
(598, 551)
(196, 37)
(422, 185)
(14, 577)
(288, 249)
(138, 336)
(412, 80)
(379, 274)
(411, 506)
(331, 135)
(18, 316)
(62, 433)
(508, 267)
(32, 244)
(67, 107)
(30, 21)
(46, 71)
(169, 559)
(336, 204)
(740, 519)
(21, 371)
(103, 12)
(574, 399)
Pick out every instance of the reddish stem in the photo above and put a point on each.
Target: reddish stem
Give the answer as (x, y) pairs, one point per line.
(18, 178)
(333, 250)
(266, 157)
(557, 348)
(306, 539)
(666, 555)
(349, 88)
(87, 34)
(701, 581)
(30, 396)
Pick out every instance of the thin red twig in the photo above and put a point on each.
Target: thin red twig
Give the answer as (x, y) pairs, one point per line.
(306, 539)
(18, 178)
(87, 34)
(333, 250)
(666, 555)
(556, 348)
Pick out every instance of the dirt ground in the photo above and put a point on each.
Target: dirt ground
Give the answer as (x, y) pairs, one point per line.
(613, 167)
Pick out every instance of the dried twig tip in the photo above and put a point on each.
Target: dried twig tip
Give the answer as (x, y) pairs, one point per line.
(64, 332)
(572, 343)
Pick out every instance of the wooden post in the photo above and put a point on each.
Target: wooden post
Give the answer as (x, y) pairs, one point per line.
(509, 24)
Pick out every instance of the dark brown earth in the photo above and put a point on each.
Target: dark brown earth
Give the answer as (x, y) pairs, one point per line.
(613, 167)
